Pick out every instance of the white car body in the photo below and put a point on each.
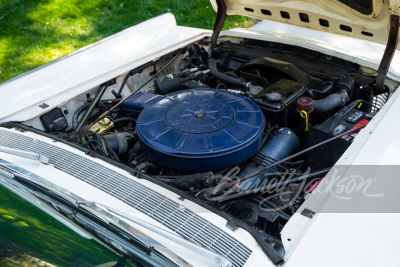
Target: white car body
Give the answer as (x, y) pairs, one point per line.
(326, 239)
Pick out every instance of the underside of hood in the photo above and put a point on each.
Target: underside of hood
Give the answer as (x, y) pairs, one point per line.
(363, 19)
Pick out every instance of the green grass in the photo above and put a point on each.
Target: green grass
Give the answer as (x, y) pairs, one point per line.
(34, 32)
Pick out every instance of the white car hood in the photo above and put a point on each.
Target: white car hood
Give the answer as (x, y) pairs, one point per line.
(363, 19)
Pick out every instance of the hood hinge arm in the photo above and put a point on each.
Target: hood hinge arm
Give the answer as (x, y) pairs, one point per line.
(390, 49)
(219, 21)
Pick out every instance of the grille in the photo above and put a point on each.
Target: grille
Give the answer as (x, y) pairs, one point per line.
(182, 221)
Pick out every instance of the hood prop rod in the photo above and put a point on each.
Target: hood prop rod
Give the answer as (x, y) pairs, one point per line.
(219, 22)
(390, 49)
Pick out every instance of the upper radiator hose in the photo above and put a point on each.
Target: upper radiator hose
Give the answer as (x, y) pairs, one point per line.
(252, 89)
(339, 99)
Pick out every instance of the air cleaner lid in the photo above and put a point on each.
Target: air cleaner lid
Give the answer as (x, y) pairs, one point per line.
(200, 129)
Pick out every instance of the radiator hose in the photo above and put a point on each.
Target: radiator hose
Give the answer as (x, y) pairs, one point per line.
(335, 100)
(252, 89)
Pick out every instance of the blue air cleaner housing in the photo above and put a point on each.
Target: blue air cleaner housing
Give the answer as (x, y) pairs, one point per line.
(200, 129)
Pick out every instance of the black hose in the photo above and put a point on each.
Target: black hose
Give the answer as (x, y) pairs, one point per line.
(212, 65)
(194, 85)
(345, 90)
(136, 148)
(330, 102)
(346, 83)
(130, 156)
(134, 152)
(112, 152)
(252, 90)
(189, 61)
(145, 166)
(77, 113)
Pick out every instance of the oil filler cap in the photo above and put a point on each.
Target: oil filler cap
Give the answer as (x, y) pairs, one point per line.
(200, 129)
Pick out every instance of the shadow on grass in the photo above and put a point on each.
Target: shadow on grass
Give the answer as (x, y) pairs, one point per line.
(33, 33)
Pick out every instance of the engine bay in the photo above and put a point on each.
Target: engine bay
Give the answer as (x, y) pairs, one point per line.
(249, 127)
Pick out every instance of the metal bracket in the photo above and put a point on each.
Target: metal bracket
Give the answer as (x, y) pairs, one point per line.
(219, 21)
(308, 213)
(390, 49)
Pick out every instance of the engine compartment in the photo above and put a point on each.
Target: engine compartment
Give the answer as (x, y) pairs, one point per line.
(242, 127)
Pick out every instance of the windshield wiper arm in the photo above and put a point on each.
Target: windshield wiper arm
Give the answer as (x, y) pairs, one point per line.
(25, 154)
